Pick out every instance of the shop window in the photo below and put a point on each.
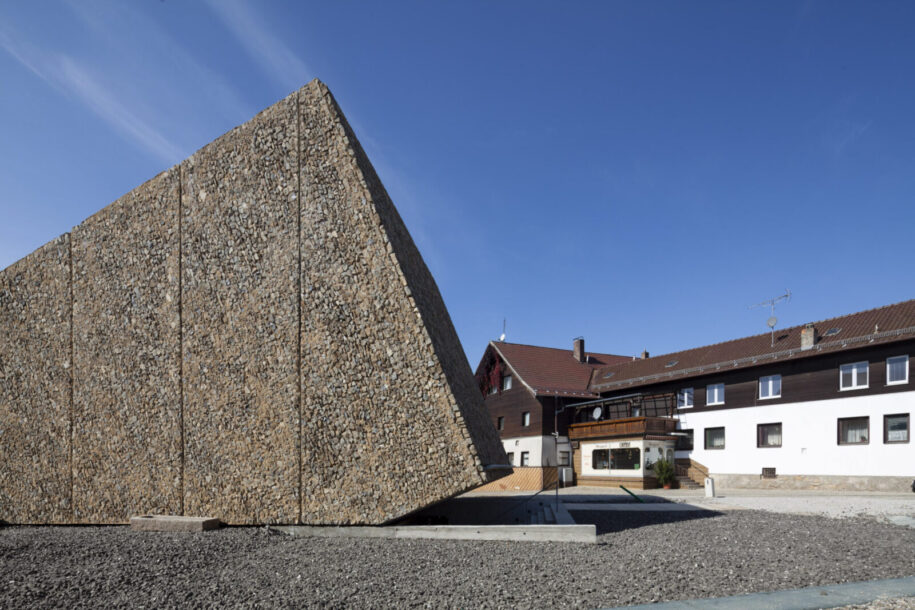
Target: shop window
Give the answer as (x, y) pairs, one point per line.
(625, 459)
(769, 435)
(896, 428)
(600, 459)
(854, 430)
(714, 438)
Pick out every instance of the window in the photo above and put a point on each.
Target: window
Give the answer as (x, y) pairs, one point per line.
(511, 458)
(500, 423)
(563, 458)
(493, 390)
(507, 383)
(685, 442)
(714, 394)
(714, 438)
(770, 386)
(854, 430)
(526, 419)
(600, 459)
(525, 458)
(897, 370)
(896, 428)
(685, 398)
(625, 459)
(769, 435)
(853, 376)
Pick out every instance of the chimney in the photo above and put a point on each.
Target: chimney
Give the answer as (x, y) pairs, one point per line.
(808, 336)
(645, 354)
(578, 349)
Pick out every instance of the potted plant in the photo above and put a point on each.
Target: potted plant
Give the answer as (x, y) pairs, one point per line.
(665, 473)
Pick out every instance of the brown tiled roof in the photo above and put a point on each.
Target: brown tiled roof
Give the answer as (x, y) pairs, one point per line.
(553, 372)
(874, 326)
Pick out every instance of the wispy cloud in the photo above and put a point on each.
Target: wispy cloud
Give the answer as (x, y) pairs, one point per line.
(103, 103)
(117, 24)
(274, 57)
(72, 78)
(846, 133)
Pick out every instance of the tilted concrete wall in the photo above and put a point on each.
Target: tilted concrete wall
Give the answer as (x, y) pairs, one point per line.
(254, 336)
(36, 386)
(126, 350)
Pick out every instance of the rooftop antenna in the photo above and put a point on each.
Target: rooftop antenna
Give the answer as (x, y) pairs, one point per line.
(772, 321)
(502, 337)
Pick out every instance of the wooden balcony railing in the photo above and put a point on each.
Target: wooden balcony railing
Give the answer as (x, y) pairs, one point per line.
(631, 426)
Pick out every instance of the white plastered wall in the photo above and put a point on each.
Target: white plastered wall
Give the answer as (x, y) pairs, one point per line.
(809, 438)
(542, 449)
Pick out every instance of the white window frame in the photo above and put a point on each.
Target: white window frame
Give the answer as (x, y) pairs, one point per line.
(526, 419)
(854, 375)
(900, 381)
(681, 398)
(766, 382)
(506, 383)
(718, 400)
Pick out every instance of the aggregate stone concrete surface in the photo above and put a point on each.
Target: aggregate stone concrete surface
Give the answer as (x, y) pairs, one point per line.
(639, 558)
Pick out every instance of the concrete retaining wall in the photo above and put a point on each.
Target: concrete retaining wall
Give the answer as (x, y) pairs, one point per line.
(251, 335)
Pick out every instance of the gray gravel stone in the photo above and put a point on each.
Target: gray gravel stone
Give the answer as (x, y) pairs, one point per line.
(641, 557)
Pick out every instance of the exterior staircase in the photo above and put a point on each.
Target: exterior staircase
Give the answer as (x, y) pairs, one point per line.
(685, 482)
(690, 473)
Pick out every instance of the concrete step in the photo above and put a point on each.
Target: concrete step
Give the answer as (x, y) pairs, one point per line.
(548, 514)
(687, 483)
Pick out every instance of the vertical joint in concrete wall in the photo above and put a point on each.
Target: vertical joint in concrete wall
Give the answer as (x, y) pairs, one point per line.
(181, 333)
(72, 371)
(298, 296)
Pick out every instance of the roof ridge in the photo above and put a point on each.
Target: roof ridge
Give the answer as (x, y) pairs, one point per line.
(787, 328)
(559, 349)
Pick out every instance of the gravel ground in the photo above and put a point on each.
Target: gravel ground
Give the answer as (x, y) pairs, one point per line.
(641, 557)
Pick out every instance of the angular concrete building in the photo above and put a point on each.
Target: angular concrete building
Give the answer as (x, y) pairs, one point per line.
(250, 335)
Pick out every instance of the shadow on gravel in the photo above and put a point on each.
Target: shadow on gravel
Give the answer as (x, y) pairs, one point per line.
(610, 522)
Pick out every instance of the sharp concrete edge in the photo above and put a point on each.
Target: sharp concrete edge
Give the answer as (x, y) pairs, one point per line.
(586, 534)
(829, 596)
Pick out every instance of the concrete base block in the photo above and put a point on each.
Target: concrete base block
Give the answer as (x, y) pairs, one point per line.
(172, 523)
(519, 533)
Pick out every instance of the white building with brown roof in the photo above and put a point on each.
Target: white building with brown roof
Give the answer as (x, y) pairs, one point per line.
(824, 405)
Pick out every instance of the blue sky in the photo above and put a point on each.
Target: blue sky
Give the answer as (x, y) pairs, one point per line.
(636, 173)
